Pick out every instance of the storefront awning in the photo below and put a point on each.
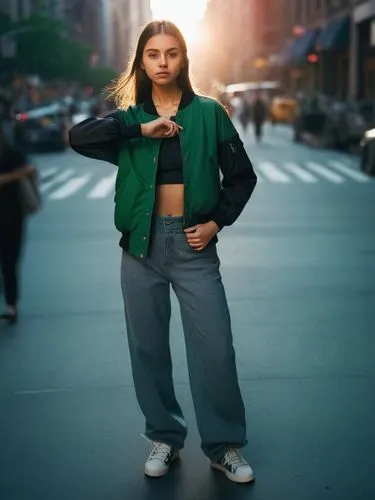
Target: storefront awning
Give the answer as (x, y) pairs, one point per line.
(334, 35)
(302, 46)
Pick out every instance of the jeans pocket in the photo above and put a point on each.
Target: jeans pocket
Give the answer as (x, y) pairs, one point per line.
(183, 249)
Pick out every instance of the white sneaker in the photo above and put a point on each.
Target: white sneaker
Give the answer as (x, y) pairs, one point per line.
(234, 467)
(160, 459)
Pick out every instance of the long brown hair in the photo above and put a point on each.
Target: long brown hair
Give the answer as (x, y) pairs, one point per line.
(133, 86)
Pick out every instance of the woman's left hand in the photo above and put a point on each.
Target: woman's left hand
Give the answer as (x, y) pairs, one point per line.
(200, 235)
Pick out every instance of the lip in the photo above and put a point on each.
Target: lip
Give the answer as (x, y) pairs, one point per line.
(163, 73)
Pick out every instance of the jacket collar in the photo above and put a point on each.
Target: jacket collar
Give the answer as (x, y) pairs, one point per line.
(186, 99)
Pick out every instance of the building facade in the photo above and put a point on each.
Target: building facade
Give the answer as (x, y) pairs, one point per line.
(310, 45)
(363, 77)
(244, 38)
(109, 27)
(127, 19)
(333, 47)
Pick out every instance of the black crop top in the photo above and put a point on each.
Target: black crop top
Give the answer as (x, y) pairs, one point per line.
(170, 161)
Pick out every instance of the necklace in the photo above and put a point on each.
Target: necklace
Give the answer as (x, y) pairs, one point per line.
(173, 107)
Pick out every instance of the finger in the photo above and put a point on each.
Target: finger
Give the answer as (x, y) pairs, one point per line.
(169, 132)
(190, 229)
(196, 245)
(174, 129)
(198, 249)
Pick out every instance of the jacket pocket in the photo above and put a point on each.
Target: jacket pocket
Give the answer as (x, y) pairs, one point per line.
(128, 203)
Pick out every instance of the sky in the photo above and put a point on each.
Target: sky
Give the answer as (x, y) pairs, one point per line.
(185, 13)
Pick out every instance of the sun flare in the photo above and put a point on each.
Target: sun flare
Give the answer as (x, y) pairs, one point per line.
(187, 15)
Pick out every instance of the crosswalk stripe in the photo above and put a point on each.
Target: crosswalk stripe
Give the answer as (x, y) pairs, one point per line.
(71, 187)
(325, 172)
(56, 180)
(272, 173)
(300, 173)
(43, 174)
(350, 172)
(103, 187)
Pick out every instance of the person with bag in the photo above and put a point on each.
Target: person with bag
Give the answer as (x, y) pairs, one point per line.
(14, 168)
(169, 144)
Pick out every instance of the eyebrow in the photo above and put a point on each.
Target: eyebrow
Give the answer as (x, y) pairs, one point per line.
(157, 50)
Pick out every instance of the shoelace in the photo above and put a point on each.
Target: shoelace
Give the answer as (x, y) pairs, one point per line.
(161, 451)
(234, 458)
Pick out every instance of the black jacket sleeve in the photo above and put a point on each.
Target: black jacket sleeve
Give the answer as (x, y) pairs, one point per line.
(238, 182)
(100, 138)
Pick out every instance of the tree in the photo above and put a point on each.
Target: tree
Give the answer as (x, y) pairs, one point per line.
(99, 77)
(43, 48)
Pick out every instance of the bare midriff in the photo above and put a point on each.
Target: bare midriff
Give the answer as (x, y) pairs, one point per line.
(170, 200)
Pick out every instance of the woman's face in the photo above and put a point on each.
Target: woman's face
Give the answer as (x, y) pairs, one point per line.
(162, 59)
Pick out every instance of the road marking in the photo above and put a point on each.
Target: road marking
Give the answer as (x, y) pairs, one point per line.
(41, 391)
(272, 173)
(71, 187)
(325, 172)
(354, 174)
(103, 187)
(56, 180)
(300, 173)
(47, 172)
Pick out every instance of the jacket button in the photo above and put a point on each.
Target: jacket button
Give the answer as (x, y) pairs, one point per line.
(145, 237)
(141, 255)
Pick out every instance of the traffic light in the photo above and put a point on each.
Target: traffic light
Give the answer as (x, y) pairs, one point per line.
(313, 58)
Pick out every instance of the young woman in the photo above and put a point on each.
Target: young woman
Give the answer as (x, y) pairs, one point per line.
(13, 166)
(168, 144)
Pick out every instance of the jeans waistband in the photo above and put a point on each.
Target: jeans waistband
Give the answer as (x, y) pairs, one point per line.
(168, 224)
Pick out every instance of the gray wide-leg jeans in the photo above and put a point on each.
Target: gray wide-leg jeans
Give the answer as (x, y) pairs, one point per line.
(196, 280)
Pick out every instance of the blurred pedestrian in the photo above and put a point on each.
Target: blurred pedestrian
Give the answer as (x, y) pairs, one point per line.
(13, 167)
(168, 143)
(259, 115)
(7, 119)
(245, 111)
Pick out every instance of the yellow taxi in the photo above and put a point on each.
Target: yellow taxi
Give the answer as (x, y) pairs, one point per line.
(283, 110)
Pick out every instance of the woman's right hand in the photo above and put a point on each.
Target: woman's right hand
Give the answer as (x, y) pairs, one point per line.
(160, 128)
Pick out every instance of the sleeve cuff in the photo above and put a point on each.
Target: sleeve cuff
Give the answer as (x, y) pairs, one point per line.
(133, 131)
(218, 221)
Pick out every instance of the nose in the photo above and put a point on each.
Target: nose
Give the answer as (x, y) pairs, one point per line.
(163, 60)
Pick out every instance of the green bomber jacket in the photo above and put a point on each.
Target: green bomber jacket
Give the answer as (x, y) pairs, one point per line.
(218, 175)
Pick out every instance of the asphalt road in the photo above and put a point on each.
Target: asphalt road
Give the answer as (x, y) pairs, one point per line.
(299, 270)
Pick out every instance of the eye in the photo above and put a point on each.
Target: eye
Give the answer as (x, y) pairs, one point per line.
(153, 55)
(173, 54)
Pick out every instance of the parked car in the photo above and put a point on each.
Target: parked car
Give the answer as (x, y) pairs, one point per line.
(345, 125)
(44, 125)
(332, 123)
(310, 117)
(368, 152)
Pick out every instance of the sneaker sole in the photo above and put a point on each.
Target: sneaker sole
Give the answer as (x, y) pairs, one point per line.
(231, 476)
(163, 473)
